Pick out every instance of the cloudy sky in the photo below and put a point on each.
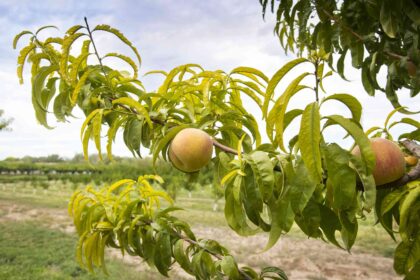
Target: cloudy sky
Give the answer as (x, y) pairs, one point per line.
(215, 34)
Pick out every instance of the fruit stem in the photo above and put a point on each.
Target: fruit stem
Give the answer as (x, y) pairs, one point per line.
(224, 148)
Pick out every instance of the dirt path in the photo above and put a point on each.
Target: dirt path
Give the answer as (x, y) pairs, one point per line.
(300, 258)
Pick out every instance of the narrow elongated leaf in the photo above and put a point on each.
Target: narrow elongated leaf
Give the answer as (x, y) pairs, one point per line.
(22, 58)
(121, 36)
(250, 70)
(388, 21)
(309, 140)
(350, 101)
(341, 176)
(277, 113)
(406, 255)
(301, 187)
(409, 201)
(79, 85)
(359, 136)
(18, 36)
(262, 169)
(274, 81)
(127, 60)
(163, 253)
(135, 105)
(65, 49)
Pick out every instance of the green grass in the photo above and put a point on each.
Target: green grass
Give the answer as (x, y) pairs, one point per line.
(28, 251)
(198, 211)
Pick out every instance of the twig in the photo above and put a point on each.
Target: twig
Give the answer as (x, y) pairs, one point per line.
(412, 146)
(224, 148)
(97, 54)
(217, 256)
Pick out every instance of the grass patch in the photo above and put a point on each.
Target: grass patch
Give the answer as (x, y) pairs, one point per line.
(28, 251)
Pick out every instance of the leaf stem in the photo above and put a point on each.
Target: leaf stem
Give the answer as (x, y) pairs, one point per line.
(97, 54)
(316, 80)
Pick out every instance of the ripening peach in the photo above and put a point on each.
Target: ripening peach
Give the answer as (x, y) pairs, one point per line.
(190, 150)
(390, 162)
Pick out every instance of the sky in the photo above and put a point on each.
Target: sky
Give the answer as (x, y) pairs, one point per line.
(216, 34)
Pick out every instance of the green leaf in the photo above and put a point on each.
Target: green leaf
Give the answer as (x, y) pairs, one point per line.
(406, 255)
(250, 70)
(391, 200)
(127, 60)
(329, 224)
(340, 64)
(282, 220)
(40, 95)
(135, 105)
(301, 185)
(414, 273)
(290, 116)
(73, 29)
(229, 267)
(163, 253)
(350, 101)
(23, 54)
(65, 50)
(79, 85)
(17, 37)
(76, 65)
(87, 121)
(96, 130)
(133, 133)
(405, 210)
(341, 176)
(45, 27)
(262, 169)
(361, 139)
(309, 141)
(277, 114)
(121, 36)
(234, 212)
(388, 21)
(180, 256)
(112, 131)
(269, 272)
(349, 229)
(277, 77)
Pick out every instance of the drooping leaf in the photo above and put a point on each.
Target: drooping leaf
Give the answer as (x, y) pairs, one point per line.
(18, 36)
(310, 139)
(121, 36)
(277, 77)
(350, 101)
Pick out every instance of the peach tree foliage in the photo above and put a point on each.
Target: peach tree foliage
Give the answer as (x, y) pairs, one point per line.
(268, 187)
(375, 33)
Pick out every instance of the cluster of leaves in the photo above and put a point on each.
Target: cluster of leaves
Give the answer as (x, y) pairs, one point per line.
(400, 207)
(127, 215)
(266, 186)
(377, 131)
(376, 32)
(313, 184)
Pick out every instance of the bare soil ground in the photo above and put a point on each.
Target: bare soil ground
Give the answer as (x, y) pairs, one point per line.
(300, 258)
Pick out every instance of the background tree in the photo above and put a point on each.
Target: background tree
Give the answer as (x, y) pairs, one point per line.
(320, 186)
(4, 123)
